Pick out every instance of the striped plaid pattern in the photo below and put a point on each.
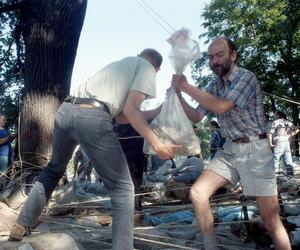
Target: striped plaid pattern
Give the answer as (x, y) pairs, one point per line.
(247, 117)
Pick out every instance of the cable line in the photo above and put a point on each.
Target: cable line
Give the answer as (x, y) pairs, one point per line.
(157, 17)
(284, 99)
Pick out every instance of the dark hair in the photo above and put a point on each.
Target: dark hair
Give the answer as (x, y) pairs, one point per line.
(231, 45)
(153, 56)
(281, 115)
(214, 123)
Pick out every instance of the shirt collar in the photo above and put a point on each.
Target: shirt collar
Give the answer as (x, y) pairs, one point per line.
(233, 73)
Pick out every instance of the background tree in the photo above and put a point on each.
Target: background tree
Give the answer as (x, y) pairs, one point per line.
(11, 79)
(267, 33)
(45, 35)
(203, 132)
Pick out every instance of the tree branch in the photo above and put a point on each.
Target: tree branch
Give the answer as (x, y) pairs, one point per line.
(10, 7)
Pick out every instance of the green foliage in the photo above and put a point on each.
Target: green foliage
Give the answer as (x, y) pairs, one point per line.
(203, 132)
(11, 63)
(267, 34)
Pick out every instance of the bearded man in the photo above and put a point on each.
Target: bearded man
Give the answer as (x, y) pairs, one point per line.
(235, 98)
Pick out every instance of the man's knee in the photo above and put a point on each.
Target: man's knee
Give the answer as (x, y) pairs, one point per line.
(271, 223)
(198, 195)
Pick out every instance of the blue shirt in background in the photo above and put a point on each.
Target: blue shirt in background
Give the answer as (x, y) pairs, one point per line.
(5, 149)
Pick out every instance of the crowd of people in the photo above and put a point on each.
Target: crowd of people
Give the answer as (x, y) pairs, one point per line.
(240, 146)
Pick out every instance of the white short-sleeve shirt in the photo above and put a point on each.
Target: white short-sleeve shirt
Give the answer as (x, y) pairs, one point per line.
(281, 130)
(112, 83)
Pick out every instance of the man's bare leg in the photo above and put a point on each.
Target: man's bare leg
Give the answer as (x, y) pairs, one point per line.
(204, 187)
(269, 212)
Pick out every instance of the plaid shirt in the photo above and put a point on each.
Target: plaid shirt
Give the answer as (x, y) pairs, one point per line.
(247, 116)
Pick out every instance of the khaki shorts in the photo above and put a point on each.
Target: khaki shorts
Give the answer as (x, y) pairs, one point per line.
(250, 163)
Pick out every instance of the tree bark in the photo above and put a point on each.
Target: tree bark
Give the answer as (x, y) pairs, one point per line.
(51, 31)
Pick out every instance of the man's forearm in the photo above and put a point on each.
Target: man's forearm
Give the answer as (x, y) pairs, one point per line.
(193, 114)
(207, 100)
(4, 140)
(150, 114)
(141, 125)
(270, 137)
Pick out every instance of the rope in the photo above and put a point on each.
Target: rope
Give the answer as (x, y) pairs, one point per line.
(157, 17)
(181, 247)
(130, 137)
(149, 235)
(212, 202)
(284, 99)
(163, 243)
(165, 225)
(135, 237)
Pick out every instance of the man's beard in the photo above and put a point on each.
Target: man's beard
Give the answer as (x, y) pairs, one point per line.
(221, 69)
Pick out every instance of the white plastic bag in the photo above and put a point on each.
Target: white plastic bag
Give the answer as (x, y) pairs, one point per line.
(173, 127)
(183, 51)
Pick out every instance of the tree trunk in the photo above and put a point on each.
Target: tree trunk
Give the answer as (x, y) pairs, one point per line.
(51, 31)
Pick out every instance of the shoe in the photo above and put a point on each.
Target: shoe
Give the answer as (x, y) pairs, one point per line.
(18, 232)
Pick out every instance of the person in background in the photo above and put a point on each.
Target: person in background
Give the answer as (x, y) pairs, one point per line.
(86, 119)
(235, 98)
(5, 145)
(216, 140)
(82, 166)
(132, 145)
(279, 138)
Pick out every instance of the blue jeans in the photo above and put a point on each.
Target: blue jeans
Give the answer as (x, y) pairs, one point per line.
(3, 163)
(282, 148)
(93, 130)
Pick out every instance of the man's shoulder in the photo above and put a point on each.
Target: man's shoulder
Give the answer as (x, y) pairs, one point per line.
(277, 122)
(242, 75)
(243, 71)
(134, 59)
(127, 61)
(289, 123)
(129, 58)
(282, 123)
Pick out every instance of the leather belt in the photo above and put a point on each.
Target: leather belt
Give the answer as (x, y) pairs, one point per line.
(248, 139)
(87, 101)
